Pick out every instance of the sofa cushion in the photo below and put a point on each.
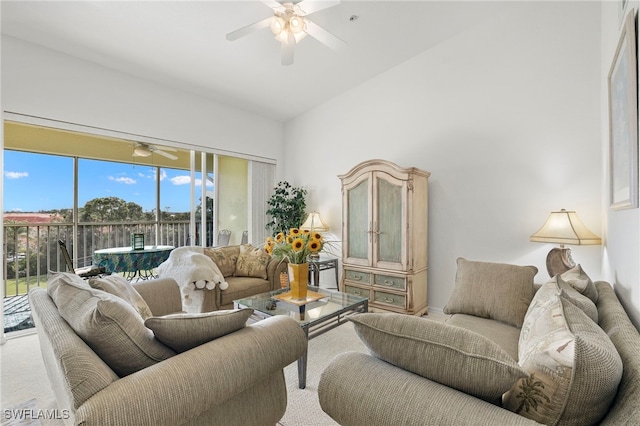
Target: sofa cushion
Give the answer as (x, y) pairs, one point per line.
(241, 287)
(574, 368)
(252, 262)
(578, 279)
(505, 335)
(446, 354)
(492, 290)
(225, 258)
(118, 286)
(182, 332)
(108, 324)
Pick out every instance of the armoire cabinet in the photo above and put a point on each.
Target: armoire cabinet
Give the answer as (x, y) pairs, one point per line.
(384, 235)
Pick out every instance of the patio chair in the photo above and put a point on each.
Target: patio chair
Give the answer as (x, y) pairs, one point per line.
(84, 272)
(245, 238)
(223, 237)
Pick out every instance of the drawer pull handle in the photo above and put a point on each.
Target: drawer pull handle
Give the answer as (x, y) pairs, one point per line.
(357, 293)
(357, 277)
(389, 300)
(387, 282)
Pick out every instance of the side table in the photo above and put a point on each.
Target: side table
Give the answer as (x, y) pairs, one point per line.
(324, 263)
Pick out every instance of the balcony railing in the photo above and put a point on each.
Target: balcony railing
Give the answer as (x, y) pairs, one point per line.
(31, 249)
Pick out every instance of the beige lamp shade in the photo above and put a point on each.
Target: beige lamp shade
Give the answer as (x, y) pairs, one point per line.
(314, 223)
(565, 227)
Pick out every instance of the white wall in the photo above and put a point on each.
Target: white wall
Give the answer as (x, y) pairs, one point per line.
(621, 260)
(506, 117)
(44, 83)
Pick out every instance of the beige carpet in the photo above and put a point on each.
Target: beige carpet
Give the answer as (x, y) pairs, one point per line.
(303, 407)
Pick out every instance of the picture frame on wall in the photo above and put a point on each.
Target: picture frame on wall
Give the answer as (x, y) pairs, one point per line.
(623, 120)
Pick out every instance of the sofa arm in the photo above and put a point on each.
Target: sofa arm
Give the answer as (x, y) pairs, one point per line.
(357, 389)
(162, 295)
(274, 269)
(187, 385)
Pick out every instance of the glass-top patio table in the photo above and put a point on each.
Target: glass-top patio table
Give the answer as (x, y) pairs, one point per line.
(316, 316)
(132, 263)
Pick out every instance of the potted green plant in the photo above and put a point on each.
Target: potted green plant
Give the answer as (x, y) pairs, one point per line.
(286, 208)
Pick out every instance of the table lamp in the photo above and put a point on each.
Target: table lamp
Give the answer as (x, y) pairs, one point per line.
(314, 223)
(563, 227)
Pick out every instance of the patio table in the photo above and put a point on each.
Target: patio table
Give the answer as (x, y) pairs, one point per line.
(133, 263)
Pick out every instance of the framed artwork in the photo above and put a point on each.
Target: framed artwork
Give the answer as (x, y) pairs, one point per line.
(623, 120)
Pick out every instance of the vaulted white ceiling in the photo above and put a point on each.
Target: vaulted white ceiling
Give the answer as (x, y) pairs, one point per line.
(182, 44)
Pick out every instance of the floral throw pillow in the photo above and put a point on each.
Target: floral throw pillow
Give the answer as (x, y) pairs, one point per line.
(252, 262)
(574, 369)
(225, 258)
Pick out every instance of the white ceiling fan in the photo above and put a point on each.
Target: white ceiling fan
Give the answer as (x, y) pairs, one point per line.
(145, 150)
(290, 25)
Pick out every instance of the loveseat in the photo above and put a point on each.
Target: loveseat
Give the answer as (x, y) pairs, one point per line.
(107, 367)
(211, 278)
(558, 358)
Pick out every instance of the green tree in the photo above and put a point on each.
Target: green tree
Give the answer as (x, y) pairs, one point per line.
(286, 208)
(110, 209)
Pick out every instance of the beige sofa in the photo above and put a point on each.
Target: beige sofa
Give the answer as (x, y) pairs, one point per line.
(234, 379)
(243, 280)
(422, 372)
(238, 271)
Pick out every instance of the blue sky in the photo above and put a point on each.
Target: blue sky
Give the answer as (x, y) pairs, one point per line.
(35, 182)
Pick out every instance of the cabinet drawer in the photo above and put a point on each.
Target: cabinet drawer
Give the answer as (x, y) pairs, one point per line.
(357, 291)
(397, 283)
(390, 299)
(357, 276)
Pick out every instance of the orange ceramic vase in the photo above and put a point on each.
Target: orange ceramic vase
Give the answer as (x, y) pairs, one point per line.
(298, 279)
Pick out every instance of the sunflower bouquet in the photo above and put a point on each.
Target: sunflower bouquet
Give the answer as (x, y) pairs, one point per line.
(296, 246)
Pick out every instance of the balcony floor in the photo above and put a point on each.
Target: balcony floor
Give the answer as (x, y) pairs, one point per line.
(17, 313)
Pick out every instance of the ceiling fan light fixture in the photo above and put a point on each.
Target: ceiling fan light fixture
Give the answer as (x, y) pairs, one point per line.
(277, 25)
(296, 24)
(140, 151)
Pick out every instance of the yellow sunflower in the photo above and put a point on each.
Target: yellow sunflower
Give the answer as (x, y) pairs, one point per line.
(297, 244)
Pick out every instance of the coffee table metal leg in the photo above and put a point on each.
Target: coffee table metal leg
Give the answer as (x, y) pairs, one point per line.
(302, 363)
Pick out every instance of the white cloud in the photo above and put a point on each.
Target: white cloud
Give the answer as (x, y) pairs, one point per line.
(185, 180)
(15, 175)
(125, 180)
(181, 180)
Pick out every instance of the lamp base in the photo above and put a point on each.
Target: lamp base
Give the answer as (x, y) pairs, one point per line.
(559, 260)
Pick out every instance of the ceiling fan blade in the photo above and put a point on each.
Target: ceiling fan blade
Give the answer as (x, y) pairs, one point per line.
(324, 36)
(165, 154)
(312, 6)
(165, 148)
(273, 4)
(241, 32)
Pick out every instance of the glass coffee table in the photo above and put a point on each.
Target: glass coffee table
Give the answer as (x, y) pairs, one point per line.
(324, 310)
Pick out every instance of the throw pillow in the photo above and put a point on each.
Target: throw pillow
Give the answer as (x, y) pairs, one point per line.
(578, 299)
(108, 324)
(492, 290)
(574, 368)
(252, 262)
(182, 332)
(118, 286)
(225, 258)
(452, 356)
(578, 279)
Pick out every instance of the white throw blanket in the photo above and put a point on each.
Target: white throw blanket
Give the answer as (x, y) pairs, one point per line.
(192, 270)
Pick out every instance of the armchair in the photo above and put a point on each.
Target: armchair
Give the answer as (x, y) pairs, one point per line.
(196, 387)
